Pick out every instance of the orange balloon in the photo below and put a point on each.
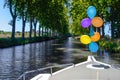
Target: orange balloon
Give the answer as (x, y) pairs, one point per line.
(95, 37)
(97, 22)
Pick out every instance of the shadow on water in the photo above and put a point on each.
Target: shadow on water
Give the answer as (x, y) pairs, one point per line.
(16, 60)
(107, 57)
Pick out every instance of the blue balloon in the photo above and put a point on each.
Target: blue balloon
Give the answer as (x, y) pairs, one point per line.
(93, 47)
(91, 11)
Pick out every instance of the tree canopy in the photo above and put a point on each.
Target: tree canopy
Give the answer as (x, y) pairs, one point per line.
(106, 9)
(53, 14)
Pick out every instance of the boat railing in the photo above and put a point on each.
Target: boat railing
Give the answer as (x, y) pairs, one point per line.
(42, 70)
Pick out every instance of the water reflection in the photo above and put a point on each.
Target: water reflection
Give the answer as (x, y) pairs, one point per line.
(68, 50)
(16, 60)
(105, 56)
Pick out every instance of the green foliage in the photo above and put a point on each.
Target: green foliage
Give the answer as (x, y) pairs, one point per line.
(51, 14)
(79, 7)
(118, 48)
(110, 45)
(1, 32)
(114, 15)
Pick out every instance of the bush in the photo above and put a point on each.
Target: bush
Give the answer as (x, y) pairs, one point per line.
(110, 45)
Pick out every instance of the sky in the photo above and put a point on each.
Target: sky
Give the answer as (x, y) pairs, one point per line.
(5, 17)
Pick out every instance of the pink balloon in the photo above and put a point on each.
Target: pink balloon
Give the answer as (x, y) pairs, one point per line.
(86, 22)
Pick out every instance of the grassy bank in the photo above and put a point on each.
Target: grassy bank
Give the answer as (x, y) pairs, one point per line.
(8, 42)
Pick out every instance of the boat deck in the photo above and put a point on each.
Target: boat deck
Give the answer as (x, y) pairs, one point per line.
(89, 70)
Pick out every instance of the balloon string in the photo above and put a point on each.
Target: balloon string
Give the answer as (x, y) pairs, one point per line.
(91, 31)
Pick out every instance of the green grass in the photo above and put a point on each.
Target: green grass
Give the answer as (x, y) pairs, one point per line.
(8, 42)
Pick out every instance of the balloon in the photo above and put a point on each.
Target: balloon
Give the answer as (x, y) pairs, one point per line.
(91, 11)
(95, 37)
(86, 22)
(97, 22)
(93, 47)
(85, 39)
(91, 31)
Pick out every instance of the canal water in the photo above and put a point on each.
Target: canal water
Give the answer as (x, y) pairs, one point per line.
(16, 60)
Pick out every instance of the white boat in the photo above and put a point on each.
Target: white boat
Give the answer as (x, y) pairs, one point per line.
(88, 70)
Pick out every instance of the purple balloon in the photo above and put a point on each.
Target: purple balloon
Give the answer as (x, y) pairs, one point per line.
(86, 22)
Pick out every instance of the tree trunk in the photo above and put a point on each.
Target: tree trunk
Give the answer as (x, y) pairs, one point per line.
(103, 32)
(112, 30)
(42, 31)
(34, 31)
(118, 32)
(47, 32)
(23, 29)
(39, 29)
(98, 29)
(35, 24)
(51, 32)
(12, 9)
(30, 35)
(13, 28)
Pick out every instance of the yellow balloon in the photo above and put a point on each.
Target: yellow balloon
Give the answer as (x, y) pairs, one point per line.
(95, 37)
(85, 39)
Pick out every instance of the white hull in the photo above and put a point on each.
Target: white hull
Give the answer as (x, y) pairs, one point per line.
(88, 70)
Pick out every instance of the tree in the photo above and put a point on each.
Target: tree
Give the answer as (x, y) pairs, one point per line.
(78, 12)
(114, 16)
(51, 14)
(12, 5)
(22, 13)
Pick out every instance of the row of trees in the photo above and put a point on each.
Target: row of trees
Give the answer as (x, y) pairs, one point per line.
(109, 10)
(52, 14)
(49, 14)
